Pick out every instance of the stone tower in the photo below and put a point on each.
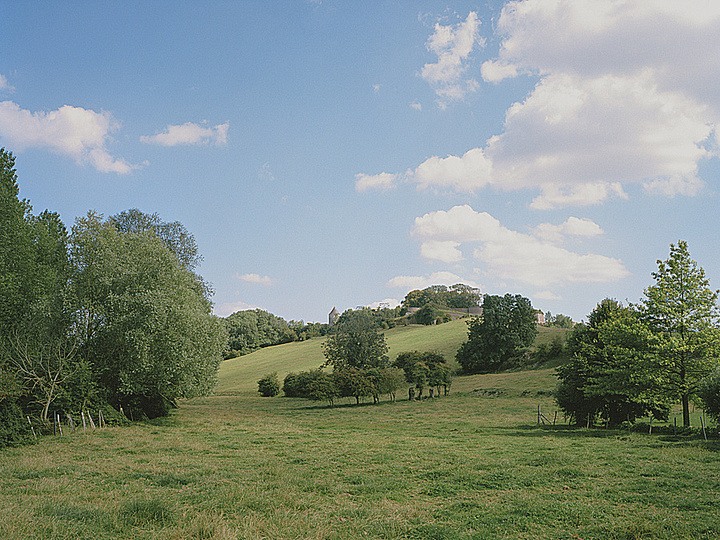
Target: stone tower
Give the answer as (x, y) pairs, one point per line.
(333, 317)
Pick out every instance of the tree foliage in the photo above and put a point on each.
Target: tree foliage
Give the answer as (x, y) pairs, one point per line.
(682, 311)
(111, 315)
(356, 342)
(424, 369)
(269, 385)
(253, 329)
(455, 296)
(145, 317)
(173, 234)
(507, 325)
(709, 393)
(610, 374)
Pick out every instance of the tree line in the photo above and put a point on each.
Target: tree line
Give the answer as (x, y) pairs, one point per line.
(109, 315)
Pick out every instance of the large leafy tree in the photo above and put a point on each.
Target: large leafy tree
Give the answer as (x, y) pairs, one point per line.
(353, 349)
(37, 348)
(145, 317)
(455, 296)
(173, 234)
(424, 369)
(356, 342)
(252, 329)
(682, 311)
(15, 266)
(508, 324)
(610, 373)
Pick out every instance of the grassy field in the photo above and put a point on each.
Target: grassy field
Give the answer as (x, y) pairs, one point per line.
(464, 466)
(471, 465)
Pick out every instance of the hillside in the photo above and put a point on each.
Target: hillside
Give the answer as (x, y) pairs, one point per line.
(240, 375)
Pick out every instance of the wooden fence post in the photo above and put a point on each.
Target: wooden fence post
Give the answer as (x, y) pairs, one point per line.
(32, 428)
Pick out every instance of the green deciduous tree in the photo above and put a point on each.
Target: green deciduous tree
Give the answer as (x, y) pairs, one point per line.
(682, 311)
(610, 374)
(455, 296)
(250, 330)
(508, 324)
(145, 318)
(709, 393)
(173, 234)
(423, 369)
(37, 344)
(356, 342)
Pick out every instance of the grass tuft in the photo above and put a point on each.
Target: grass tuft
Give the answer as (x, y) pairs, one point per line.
(147, 512)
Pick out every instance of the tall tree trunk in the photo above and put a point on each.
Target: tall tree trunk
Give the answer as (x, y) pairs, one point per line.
(686, 410)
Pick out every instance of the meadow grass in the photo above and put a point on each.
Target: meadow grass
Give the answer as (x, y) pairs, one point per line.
(463, 466)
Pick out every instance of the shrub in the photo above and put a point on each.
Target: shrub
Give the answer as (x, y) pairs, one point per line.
(14, 429)
(269, 385)
(710, 394)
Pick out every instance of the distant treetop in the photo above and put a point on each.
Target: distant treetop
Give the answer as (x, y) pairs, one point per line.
(455, 296)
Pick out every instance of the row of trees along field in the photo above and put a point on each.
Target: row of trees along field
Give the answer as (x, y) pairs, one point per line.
(109, 316)
(356, 352)
(636, 360)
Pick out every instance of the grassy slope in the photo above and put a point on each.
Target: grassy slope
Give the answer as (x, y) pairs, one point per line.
(241, 374)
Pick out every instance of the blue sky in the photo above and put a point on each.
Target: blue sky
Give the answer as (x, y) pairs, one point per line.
(333, 153)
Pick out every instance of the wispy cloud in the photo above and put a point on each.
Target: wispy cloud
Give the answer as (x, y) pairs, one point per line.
(265, 173)
(81, 134)
(255, 278)
(5, 86)
(452, 44)
(228, 308)
(189, 133)
(382, 181)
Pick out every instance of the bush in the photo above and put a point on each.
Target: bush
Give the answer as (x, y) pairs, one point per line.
(710, 394)
(269, 385)
(14, 428)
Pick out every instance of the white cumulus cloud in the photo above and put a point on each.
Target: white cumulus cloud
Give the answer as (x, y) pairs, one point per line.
(512, 255)
(382, 181)
(81, 134)
(189, 133)
(617, 101)
(572, 227)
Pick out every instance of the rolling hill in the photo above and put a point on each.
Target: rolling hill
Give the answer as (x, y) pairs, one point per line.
(240, 375)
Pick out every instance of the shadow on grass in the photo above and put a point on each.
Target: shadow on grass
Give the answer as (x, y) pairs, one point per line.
(686, 436)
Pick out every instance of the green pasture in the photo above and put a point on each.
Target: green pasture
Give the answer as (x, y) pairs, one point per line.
(465, 466)
(471, 465)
